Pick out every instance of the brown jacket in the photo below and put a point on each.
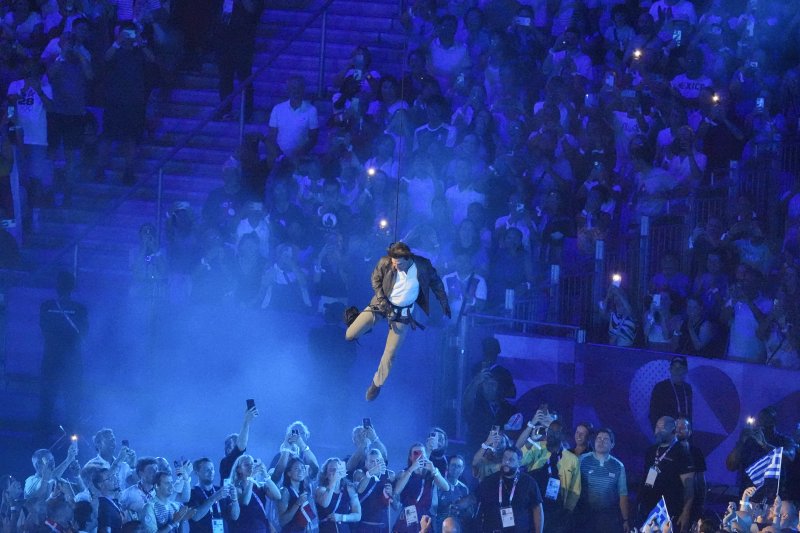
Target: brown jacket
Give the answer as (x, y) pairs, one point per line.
(383, 281)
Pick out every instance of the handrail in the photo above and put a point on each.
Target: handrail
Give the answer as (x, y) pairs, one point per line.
(182, 144)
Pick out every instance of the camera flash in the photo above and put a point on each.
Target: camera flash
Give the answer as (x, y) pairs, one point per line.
(74, 438)
(616, 279)
(383, 224)
(637, 54)
(715, 98)
(371, 171)
(750, 420)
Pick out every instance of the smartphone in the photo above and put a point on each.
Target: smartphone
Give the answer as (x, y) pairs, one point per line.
(616, 280)
(750, 421)
(677, 35)
(522, 21)
(11, 111)
(367, 423)
(130, 34)
(250, 403)
(657, 300)
(760, 104)
(520, 208)
(610, 80)
(753, 64)
(226, 482)
(591, 100)
(74, 438)
(126, 443)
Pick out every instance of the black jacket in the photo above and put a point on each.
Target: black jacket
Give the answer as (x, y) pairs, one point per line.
(383, 277)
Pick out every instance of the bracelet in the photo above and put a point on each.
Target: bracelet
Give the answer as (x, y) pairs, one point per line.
(530, 441)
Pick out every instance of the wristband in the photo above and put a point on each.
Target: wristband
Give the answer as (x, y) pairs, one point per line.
(485, 446)
(530, 441)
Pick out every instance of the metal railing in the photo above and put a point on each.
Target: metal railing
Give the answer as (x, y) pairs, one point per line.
(158, 172)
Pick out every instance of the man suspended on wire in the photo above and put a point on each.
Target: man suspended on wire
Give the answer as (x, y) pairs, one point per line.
(400, 281)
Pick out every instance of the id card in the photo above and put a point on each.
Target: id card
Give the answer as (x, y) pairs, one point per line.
(217, 526)
(411, 515)
(652, 474)
(553, 486)
(507, 516)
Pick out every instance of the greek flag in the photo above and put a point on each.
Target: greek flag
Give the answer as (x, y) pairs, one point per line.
(768, 466)
(658, 516)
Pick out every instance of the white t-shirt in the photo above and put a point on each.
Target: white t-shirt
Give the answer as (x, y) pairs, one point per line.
(459, 201)
(683, 10)
(446, 63)
(744, 345)
(31, 115)
(406, 287)
(293, 125)
(690, 88)
(123, 469)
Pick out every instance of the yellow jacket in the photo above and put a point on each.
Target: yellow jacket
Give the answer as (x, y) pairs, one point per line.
(569, 471)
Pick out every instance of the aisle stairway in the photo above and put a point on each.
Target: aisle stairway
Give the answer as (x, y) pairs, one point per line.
(102, 254)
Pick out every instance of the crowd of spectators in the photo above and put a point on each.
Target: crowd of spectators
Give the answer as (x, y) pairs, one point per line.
(517, 137)
(522, 476)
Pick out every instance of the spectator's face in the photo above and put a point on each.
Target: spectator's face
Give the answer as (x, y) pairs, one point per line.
(603, 444)
(164, 488)
(388, 91)
(693, 309)
(455, 468)
(297, 472)
(81, 31)
(645, 24)
(149, 473)
(109, 483)
(670, 266)
(205, 474)
(107, 443)
(677, 372)
(295, 89)
(682, 429)
(581, 435)
(245, 468)
(447, 30)
(510, 462)
(490, 390)
(373, 460)
(664, 431)
(229, 444)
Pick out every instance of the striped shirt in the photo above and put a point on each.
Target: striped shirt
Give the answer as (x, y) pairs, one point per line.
(603, 482)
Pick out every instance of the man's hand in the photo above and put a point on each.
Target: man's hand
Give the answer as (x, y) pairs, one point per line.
(425, 524)
(748, 493)
(250, 414)
(683, 523)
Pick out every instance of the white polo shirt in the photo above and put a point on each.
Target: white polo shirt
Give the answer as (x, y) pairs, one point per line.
(406, 287)
(293, 125)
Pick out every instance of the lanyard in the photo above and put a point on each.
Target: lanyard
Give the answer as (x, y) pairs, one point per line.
(215, 506)
(500, 490)
(363, 498)
(661, 458)
(678, 401)
(338, 501)
(421, 488)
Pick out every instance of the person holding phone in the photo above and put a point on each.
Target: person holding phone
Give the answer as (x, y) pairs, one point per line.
(414, 487)
(376, 493)
(236, 443)
(296, 508)
(400, 281)
(213, 505)
(336, 498)
(252, 495)
(365, 439)
(105, 442)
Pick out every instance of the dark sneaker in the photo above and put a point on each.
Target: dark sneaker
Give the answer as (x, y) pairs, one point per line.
(372, 391)
(350, 315)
